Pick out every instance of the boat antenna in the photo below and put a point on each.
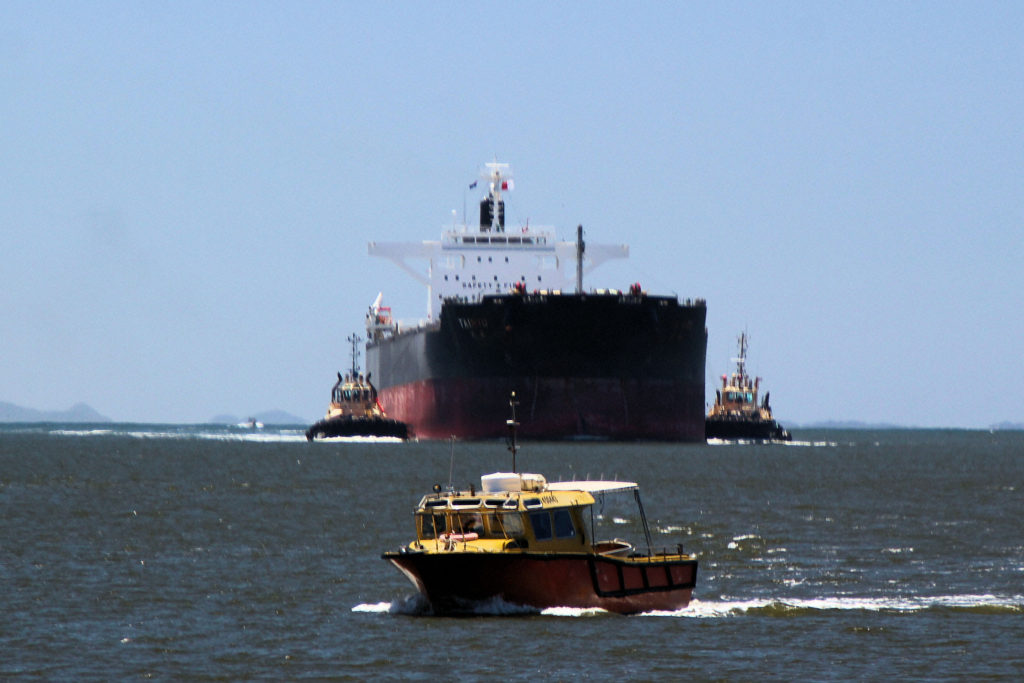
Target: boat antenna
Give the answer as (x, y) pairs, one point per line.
(513, 447)
(643, 519)
(354, 340)
(451, 462)
(580, 248)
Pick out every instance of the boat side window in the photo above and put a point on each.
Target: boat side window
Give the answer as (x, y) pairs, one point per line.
(431, 525)
(348, 394)
(564, 528)
(507, 524)
(541, 523)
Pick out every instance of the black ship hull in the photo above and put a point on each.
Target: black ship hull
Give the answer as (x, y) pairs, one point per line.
(604, 366)
(744, 430)
(357, 426)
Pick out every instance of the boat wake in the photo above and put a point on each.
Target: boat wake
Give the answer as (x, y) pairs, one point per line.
(773, 442)
(701, 609)
(416, 605)
(215, 434)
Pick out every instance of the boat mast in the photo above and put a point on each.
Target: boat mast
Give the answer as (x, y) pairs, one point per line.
(354, 339)
(580, 248)
(513, 447)
(741, 362)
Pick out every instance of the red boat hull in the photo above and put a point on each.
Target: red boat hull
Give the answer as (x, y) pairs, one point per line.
(549, 408)
(454, 582)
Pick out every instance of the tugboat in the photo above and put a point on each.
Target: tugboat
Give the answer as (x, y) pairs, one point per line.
(354, 409)
(529, 542)
(736, 413)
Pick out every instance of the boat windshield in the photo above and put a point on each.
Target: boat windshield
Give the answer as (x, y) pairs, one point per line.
(487, 524)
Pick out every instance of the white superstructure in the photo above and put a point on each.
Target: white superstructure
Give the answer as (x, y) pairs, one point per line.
(488, 259)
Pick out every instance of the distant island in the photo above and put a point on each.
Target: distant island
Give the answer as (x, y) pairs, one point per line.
(80, 412)
(76, 413)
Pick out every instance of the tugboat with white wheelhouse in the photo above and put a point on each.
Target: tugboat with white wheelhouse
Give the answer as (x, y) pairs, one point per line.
(526, 541)
(354, 409)
(736, 414)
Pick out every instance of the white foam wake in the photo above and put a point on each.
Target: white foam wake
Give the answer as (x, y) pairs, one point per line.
(724, 608)
(712, 609)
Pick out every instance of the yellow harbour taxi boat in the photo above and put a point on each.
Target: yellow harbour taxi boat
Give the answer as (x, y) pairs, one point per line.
(527, 541)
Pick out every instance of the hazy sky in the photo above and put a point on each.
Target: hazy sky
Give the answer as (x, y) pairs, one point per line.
(187, 188)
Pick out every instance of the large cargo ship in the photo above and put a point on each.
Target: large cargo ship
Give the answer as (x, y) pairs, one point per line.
(505, 314)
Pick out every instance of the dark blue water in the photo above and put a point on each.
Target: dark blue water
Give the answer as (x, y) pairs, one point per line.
(203, 553)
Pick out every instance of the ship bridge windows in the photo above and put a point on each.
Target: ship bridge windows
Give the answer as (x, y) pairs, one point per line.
(740, 396)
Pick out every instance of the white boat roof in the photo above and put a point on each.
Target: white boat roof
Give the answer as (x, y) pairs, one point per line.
(592, 486)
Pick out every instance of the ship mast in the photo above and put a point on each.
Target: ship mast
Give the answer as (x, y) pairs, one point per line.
(492, 208)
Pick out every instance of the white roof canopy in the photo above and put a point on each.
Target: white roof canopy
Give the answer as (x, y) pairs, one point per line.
(592, 486)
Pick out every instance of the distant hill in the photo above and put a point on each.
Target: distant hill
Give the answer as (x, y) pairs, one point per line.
(1008, 426)
(76, 413)
(267, 417)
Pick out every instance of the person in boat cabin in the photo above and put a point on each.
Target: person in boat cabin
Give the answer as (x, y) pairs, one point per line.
(472, 524)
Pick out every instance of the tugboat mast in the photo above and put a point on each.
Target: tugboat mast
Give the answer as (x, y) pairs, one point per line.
(354, 339)
(741, 362)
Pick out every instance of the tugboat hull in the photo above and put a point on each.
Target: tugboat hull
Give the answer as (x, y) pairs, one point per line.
(753, 430)
(456, 582)
(349, 426)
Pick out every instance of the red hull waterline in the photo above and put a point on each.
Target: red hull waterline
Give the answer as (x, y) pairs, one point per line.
(454, 582)
(549, 408)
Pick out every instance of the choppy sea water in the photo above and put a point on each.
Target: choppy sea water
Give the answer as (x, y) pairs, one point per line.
(198, 552)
